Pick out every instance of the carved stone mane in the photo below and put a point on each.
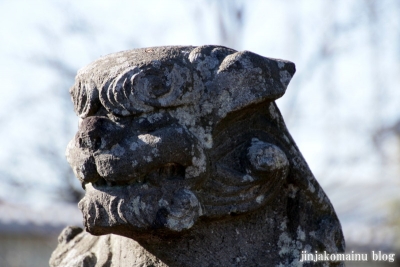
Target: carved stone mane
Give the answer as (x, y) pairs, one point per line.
(186, 160)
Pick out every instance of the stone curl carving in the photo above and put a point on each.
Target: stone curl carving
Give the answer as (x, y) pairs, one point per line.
(183, 150)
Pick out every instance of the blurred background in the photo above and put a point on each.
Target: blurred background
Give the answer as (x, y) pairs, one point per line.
(342, 106)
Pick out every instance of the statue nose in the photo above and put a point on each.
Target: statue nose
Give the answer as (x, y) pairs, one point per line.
(93, 131)
(89, 141)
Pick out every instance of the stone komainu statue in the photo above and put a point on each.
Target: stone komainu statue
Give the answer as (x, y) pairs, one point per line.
(186, 161)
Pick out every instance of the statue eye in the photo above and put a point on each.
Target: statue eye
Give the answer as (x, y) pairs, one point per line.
(257, 155)
(156, 85)
(245, 177)
(266, 157)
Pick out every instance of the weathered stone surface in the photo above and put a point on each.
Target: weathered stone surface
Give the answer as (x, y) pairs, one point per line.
(186, 159)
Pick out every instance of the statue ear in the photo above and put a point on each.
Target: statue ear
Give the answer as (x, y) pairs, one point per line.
(245, 78)
(206, 59)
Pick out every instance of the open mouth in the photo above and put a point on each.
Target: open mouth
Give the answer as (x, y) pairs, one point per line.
(170, 171)
(101, 182)
(159, 199)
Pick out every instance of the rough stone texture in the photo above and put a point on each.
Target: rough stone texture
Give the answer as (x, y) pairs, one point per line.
(186, 160)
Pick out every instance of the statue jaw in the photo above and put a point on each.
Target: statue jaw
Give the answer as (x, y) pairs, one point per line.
(138, 208)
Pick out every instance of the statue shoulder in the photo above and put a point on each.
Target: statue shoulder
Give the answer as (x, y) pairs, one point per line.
(78, 248)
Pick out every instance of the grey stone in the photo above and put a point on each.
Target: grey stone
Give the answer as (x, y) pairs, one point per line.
(186, 161)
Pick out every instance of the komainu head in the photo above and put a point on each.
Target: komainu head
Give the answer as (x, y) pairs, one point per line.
(171, 136)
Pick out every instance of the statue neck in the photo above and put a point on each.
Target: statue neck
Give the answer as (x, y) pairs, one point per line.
(246, 240)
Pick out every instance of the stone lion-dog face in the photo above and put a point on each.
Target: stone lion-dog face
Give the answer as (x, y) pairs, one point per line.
(168, 135)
